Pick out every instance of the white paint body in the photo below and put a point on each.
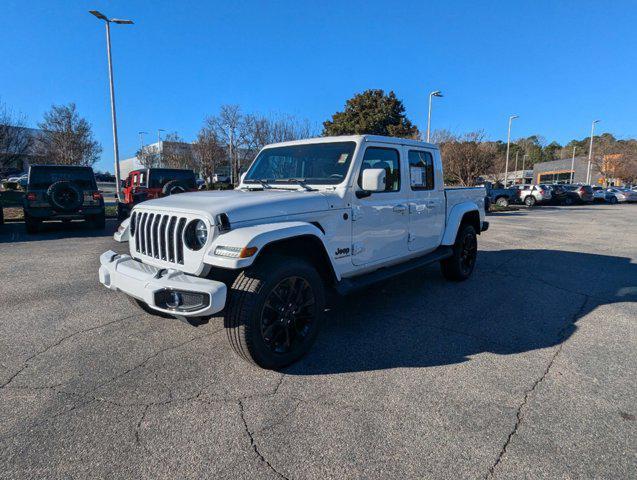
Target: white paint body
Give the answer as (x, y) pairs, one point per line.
(359, 234)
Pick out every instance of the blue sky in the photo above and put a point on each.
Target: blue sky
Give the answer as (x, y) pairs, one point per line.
(557, 64)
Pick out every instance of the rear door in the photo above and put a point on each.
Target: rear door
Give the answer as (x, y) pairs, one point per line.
(380, 220)
(426, 200)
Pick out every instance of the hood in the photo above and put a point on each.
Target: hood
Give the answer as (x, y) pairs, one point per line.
(244, 205)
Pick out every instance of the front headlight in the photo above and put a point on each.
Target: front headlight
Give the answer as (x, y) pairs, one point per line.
(196, 234)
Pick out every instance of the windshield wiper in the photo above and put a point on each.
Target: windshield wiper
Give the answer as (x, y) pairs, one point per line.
(298, 181)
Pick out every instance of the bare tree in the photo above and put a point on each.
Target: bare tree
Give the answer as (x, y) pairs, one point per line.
(466, 157)
(15, 138)
(147, 158)
(230, 129)
(67, 138)
(176, 153)
(209, 153)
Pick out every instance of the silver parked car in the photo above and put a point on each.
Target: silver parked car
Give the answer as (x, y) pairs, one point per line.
(532, 194)
(615, 194)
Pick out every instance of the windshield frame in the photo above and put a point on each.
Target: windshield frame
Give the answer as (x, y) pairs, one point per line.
(294, 181)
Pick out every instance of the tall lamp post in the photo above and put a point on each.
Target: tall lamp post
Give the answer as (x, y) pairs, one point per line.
(590, 153)
(572, 164)
(506, 164)
(160, 149)
(523, 161)
(108, 22)
(436, 93)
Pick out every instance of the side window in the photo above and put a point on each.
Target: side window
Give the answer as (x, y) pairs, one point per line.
(387, 158)
(421, 170)
(142, 179)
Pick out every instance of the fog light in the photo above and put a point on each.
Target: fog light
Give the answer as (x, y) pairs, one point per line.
(174, 300)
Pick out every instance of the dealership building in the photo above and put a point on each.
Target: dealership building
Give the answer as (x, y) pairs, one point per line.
(560, 171)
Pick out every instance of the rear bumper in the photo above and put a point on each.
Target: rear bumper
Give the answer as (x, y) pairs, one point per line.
(50, 214)
(154, 285)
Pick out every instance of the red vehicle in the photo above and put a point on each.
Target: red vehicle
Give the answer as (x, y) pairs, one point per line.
(150, 183)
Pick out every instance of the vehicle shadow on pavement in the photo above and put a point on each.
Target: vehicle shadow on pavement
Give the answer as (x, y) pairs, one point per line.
(15, 232)
(421, 320)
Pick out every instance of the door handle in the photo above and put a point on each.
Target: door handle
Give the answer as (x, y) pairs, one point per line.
(400, 208)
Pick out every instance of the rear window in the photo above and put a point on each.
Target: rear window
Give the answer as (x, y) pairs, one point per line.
(587, 189)
(159, 178)
(41, 178)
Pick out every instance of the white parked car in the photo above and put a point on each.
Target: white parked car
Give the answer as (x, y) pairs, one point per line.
(309, 217)
(621, 195)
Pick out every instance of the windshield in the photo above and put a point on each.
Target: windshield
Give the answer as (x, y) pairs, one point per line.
(318, 163)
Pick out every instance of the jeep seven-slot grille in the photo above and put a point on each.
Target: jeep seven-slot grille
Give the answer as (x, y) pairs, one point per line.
(159, 236)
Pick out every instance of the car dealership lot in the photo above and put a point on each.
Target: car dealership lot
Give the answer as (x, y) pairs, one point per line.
(526, 369)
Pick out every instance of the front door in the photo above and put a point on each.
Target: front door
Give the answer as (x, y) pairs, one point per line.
(426, 202)
(380, 220)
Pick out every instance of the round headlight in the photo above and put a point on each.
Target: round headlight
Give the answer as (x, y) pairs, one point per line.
(196, 234)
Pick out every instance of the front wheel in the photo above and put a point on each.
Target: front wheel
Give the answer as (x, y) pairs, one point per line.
(460, 265)
(274, 311)
(530, 201)
(613, 200)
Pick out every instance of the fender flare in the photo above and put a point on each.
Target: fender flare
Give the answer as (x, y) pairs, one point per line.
(454, 218)
(260, 236)
(122, 234)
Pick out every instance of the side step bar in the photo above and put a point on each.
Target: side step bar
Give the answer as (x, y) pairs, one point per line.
(349, 285)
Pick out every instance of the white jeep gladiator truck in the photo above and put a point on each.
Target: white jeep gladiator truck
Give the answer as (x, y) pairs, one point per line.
(308, 218)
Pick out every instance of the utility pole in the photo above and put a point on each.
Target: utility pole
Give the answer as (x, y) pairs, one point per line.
(108, 22)
(159, 146)
(573, 164)
(516, 166)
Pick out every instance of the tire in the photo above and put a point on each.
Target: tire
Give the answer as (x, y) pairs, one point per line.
(174, 187)
(32, 225)
(1, 215)
(530, 201)
(122, 211)
(98, 222)
(65, 196)
(460, 265)
(265, 301)
(502, 202)
(613, 200)
(568, 201)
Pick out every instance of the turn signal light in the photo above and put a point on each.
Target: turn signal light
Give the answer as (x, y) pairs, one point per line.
(31, 197)
(247, 252)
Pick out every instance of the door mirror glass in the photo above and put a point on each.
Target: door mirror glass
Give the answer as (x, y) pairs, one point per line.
(374, 179)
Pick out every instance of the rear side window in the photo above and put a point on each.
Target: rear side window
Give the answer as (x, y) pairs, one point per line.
(386, 158)
(159, 178)
(421, 170)
(42, 178)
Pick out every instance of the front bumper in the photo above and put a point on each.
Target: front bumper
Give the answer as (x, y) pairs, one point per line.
(151, 285)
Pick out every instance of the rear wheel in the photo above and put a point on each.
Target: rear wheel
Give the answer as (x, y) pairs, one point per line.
(98, 222)
(460, 265)
(502, 202)
(568, 201)
(122, 211)
(529, 201)
(274, 311)
(613, 200)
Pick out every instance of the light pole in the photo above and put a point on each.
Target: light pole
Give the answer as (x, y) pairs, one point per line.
(108, 22)
(516, 166)
(159, 147)
(572, 165)
(506, 165)
(590, 153)
(436, 93)
(141, 144)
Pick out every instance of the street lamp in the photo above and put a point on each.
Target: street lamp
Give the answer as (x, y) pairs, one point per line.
(590, 153)
(436, 93)
(572, 165)
(523, 160)
(159, 149)
(506, 165)
(108, 22)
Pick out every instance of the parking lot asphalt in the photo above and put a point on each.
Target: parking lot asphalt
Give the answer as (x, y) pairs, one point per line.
(527, 370)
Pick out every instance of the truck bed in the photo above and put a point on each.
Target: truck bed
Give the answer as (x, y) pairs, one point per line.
(456, 195)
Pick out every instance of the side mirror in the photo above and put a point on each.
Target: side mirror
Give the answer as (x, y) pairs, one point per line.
(374, 180)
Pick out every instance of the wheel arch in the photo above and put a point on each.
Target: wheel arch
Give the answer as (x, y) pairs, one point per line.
(463, 213)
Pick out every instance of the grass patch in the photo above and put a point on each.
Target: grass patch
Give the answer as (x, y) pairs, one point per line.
(111, 211)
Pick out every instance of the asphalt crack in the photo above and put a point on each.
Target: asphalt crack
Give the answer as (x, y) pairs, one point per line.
(253, 443)
(519, 415)
(57, 343)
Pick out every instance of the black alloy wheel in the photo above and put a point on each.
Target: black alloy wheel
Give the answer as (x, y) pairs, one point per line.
(287, 315)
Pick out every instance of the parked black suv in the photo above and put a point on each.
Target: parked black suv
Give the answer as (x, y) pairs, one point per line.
(62, 193)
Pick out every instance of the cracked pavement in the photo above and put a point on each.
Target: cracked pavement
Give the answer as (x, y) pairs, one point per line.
(527, 370)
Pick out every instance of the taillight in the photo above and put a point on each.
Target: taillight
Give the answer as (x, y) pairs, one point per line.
(97, 195)
(31, 197)
(582, 190)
